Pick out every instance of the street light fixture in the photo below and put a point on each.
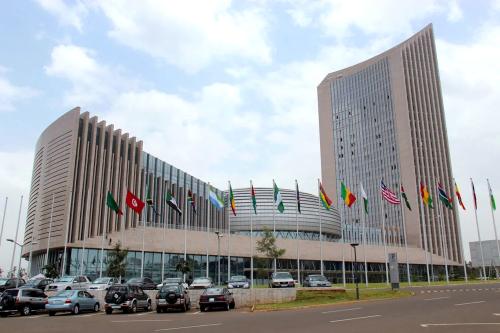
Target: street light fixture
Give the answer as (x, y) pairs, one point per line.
(20, 256)
(219, 236)
(355, 273)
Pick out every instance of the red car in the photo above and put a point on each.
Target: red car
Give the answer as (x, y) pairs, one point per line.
(216, 298)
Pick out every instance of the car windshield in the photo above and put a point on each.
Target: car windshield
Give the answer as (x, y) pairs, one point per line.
(11, 292)
(172, 280)
(3, 282)
(201, 281)
(283, 275)
(101, 280)
(65, 293)
(166, 289)
(238, 278)
(32, 283)
(213, 291)
(66, 279)
(120, 289)
(134, 280)
(317, 278)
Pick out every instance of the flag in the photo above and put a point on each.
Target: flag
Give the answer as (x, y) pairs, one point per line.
(474, 194)
(215, 199)
(444, 197)
(459, 197)
(492, 198)
(254, 198)
(172, 202)
(134, 202)
(347, 195)
(325, 200)
(426, 197)
(298, 196)
(278, 200)
(231, 200)
(365, 198)
(388, 195)
(403, 194)
(190, 199)
(149, 201)
(111, 203)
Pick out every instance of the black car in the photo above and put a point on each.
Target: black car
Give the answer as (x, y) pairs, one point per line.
(172, 296)
(144, 282)
(216, 297)
(127, 298)
(10, 283)
(38, 284)
(23, 301)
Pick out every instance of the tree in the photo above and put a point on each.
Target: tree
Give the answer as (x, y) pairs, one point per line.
(267, 245)
(117, 261)
(50, 271)
(183, 267)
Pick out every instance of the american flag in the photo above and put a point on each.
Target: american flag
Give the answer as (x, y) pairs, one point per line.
(388, 195)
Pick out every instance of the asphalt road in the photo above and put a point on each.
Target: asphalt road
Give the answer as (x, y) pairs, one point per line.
(470, 308)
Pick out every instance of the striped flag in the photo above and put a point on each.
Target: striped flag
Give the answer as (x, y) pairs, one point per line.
(298, 196)
(388, 195)
(191, 201)
(348, 197)
(444, 197)
(254, 198)
(426, 197)
(365, 198)
(473, 194)
(492, 198)
(325, 200)
(215, 199)
(278, 199)
(459, 197)
(403, 194)
(231, 200)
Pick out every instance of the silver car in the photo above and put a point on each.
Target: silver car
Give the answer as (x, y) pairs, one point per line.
(316, 281)
(72, 301)
(201, 283)
(69, 283)
(103, 283)
(281, 280)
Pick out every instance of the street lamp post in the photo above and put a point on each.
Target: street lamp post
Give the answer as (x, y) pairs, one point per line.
(219, 236)
(356, 279)
(20, 256)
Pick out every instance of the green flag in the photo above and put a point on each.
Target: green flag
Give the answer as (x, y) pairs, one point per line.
(111, 203)
(365, 198)
(492, 198)
(278, 200)
(403, 194)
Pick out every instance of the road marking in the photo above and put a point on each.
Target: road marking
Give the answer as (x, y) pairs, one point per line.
(341, 310)
(89, 315)
(140, 320)
(34, 317)
(143, 314)
(459, 324)
(496, 314)
(197, 312)
(469, 303)
(186, 327)
(355, 318)
(433, 299)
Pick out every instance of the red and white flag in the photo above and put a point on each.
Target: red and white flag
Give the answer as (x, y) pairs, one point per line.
(134, 202)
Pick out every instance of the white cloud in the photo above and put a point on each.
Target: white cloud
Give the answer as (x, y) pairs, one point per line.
(10, 93)
(71, 15)
(189, 34)
(455, 13)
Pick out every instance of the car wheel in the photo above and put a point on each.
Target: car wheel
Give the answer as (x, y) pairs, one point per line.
(189, 306)
(148, 307)
(25, 310)
(158, 310)
(232, 305)
(76, 309)
(184, 308)
(68, 288)
(202, 308)
(3, 315)
(133, 307)
(96, 307)
(109, 311)
(227, 307)
(52, 313)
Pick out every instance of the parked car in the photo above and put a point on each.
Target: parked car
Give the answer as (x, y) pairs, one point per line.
(103, 283)
(238, 281)
(127, 298)
(38, 283)
(316, 281)
(201, 283)
(145, 283)
(281, 280)
(23, 301)
(216, 297)
(69, 283)
(72, 301)
(10, 283)
(172, 296)
(169, 281)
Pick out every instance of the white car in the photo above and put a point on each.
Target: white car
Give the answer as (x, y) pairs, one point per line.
(172, 281)
(102, 283)
(201, 283)
(281, 280)
(69, 283)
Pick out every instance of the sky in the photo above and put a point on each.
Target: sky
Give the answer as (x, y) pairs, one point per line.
(226, 90)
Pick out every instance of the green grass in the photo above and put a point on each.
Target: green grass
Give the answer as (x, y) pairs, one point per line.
(324, 297)
(382, 285)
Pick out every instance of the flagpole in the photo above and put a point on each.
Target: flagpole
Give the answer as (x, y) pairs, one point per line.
(460, 229)
(3, 219)
(478, 232)
(320, 231)
(297, 226)
(274, 223)
(251, 237)
(426, 245)
(444, 251)
(384, 238)
(17, 231)
(364, 237)
(104, 231)
(143, 240)
(342, 239)
(493, 220)
(185, 228)
(63, 266)
(229, 236)
(165, 221)
(208, 226)
(405, 239)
